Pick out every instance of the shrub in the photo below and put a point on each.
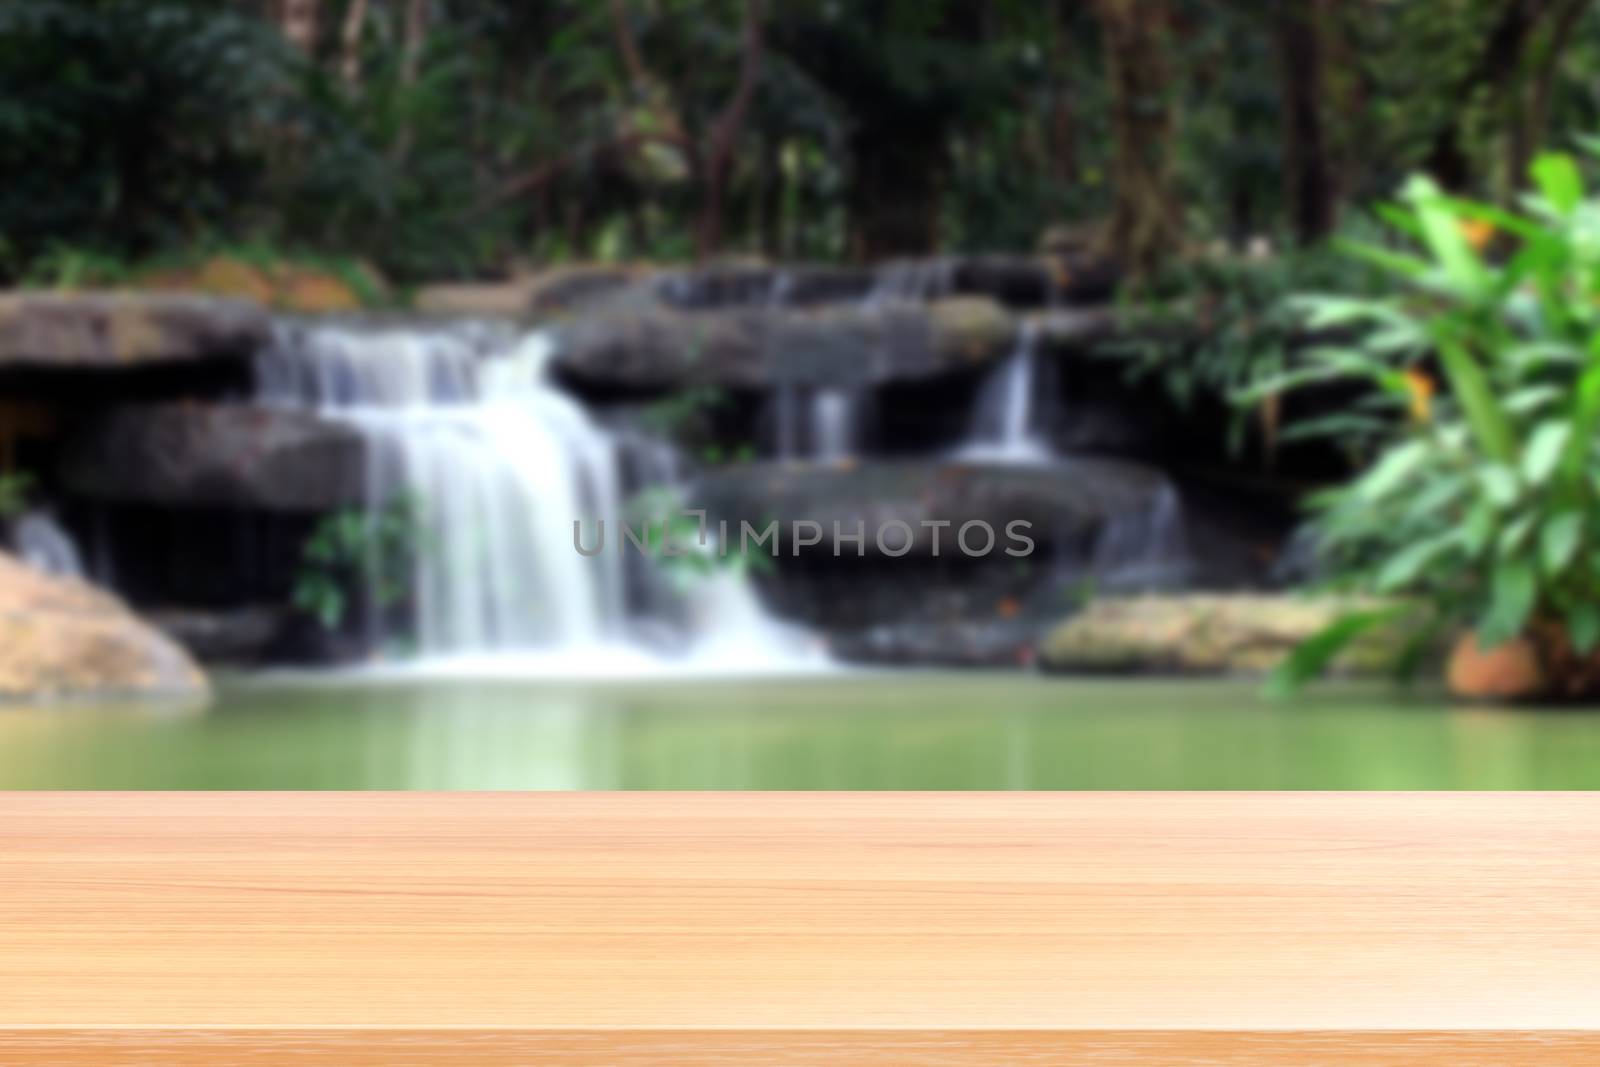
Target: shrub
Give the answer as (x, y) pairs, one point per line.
(353, 552)
(1482, 503)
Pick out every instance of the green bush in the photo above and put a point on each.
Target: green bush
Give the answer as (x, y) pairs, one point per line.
(1211, 328)
(352, 552)
(14, 486)
(1482, 505)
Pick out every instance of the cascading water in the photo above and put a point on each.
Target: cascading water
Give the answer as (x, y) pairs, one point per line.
(1145, 548)
(460, 418)
(833, 423)
(1008, 423)
(44, 544)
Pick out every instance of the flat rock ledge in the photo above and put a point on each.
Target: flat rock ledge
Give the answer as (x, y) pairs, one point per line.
(123, 329)
(1217, 634)
(64, 639)
(655, 349)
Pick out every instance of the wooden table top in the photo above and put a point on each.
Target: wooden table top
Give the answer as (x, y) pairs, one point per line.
(819, 928)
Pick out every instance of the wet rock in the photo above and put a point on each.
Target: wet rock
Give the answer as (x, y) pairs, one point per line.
(653, 349)
(205, 455)
(572, 289)
(1062, 500)
(951, 644)
(1013, 280)
(61, 638)
(1241, 634)
(125, 329)
(763, 285)
(239, 636)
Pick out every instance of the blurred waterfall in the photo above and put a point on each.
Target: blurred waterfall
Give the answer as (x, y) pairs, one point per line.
(1009, 422)
(461, 419)
(44, 544)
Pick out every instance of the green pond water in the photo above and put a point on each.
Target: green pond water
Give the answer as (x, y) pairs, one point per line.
(878, 731)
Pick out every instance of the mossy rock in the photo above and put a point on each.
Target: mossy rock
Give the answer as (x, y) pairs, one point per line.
(1223, 634)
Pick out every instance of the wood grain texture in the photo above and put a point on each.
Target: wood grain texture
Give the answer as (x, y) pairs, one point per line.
(572, 928)
(790, 1048)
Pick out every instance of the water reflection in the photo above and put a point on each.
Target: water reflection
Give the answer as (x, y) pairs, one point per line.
(912, 731)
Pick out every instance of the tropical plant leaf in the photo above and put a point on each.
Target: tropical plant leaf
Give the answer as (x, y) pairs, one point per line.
(1544, 450)
(1559, 540)
(1558, 179)
(1583, 627)
(1313, 656)
(1512, 593)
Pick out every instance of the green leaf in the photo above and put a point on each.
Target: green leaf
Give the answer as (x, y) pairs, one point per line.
(1471, 388)
(1544, 450)
(1316, 653)
(1404, 566)
(1392, 470)
(1479, 529)
(1512, 593)
(1516, 532)
(1583, 627)
(1558, 179)
(1444, 237)
(1531, 399)
(1559, 540)
(1500, 483)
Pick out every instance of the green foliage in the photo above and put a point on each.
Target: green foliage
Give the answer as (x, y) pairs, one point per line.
(352, 553)
(677, 544)
(1213, 328)
(509, 130)
(126, 125)
(1484, 502)
(14, 487)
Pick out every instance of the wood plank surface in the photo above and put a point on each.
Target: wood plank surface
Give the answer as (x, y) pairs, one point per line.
(818, 928)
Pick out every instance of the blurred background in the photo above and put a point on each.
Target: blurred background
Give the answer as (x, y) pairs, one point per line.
(323, 322)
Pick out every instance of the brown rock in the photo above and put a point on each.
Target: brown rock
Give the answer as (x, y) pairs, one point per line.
(62, 638)
(106, 329)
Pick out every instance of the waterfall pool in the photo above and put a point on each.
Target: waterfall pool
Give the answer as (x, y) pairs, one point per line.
(913, 730)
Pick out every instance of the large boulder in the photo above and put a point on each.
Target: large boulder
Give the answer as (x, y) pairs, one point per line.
(205, 455)
(1229, 634)
(122, 329)
(648, 348)
(61, 638)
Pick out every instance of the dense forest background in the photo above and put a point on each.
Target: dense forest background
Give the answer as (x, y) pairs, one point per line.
(465, 138)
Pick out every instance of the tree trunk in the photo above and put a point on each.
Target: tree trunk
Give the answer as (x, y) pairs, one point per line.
(297, 19)
(723, 137)
(355, 21)
(1528, 109)
(416, 37)
(1497, 68)
(1147, 217)
(1308, 166)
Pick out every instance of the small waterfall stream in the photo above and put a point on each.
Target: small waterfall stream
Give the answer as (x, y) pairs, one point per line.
(45, 545)
(1009, 419)
(460, 419)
